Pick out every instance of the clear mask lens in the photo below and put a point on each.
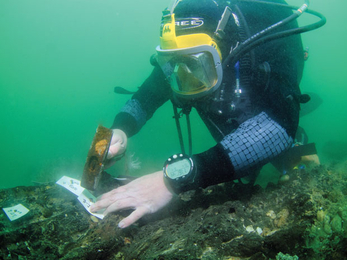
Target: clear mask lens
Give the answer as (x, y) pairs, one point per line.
(191, 71)
(184, 81)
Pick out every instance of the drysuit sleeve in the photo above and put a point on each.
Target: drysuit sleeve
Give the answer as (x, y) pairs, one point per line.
(152, 94)
(242, 152)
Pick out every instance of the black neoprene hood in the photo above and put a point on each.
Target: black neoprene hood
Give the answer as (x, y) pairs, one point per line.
(207, 11)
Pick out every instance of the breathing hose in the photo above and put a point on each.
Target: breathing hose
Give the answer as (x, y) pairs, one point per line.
(263, 36)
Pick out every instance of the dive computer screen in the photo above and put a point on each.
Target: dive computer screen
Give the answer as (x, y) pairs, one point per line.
(178, 169)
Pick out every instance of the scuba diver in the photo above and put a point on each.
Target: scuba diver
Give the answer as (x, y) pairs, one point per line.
(239, 64)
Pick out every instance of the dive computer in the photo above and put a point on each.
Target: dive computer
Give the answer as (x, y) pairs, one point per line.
(179, 171)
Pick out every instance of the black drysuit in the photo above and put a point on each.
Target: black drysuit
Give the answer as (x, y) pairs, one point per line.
(252, 129)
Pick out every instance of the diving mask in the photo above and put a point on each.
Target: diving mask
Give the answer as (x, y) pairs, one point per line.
(193, 72)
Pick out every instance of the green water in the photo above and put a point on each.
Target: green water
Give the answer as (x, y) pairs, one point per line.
(59, 62)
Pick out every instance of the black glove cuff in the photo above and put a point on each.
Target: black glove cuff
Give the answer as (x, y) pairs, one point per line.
(213, 167)
(126, 123)
(210, 168)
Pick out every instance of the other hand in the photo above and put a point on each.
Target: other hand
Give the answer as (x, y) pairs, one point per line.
(117, 148)
(118, 143)
(145, 195)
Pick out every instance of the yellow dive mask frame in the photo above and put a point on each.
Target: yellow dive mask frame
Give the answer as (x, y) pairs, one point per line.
(192, 62)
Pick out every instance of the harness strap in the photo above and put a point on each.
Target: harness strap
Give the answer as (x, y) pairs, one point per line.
(177, 115)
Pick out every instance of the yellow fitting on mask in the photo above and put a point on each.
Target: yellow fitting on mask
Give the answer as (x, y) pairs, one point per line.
(169, 40)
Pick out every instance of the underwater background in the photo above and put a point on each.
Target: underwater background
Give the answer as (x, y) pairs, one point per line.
(59, 63)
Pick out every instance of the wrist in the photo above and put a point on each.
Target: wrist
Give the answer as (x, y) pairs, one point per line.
(208, 168)
(214, 167)
(180, 173)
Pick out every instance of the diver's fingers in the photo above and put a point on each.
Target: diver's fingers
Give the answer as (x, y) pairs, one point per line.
(114, 192)
(118, 143)
(114, 150)
(133, 217)
(101, 204)
(121, 204)
(107, 199)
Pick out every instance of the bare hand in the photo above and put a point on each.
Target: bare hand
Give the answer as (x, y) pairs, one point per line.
(118, 143)
(117, 148)
(146, 195)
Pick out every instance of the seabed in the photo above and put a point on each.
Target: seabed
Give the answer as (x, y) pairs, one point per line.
(303, 218)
